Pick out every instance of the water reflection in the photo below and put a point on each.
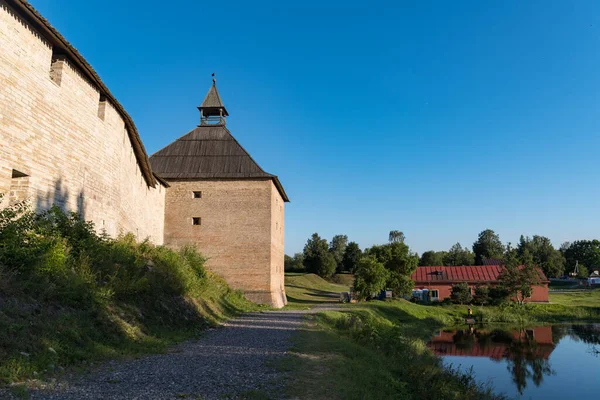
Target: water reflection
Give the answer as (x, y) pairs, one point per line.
(525, 353)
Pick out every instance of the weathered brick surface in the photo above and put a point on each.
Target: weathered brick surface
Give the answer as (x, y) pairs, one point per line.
(75, 149)
(241, 232)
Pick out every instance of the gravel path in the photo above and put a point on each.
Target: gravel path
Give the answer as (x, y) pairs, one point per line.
(226, 362)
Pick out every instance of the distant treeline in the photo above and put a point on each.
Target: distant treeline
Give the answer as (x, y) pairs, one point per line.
(381, 266)
(339, 255)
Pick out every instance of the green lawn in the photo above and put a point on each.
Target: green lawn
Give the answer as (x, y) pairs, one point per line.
(306, 290)
(590, 298)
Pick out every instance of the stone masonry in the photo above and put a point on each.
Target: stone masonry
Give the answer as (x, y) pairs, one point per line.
(62, 143)
(240, 231)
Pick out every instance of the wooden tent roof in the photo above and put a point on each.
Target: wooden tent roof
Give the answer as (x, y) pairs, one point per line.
(209, 152)
(212, 102)
(63, 47)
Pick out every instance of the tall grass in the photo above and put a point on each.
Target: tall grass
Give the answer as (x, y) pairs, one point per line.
(69, 295)
(374, 351)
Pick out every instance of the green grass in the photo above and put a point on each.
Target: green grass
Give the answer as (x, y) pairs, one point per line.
(69, 297)
(588, 298)
(306, 290)
(344, 279)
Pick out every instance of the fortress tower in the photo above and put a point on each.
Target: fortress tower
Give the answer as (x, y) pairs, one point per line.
(220, 199)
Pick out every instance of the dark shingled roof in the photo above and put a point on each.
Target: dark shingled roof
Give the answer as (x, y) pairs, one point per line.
(62, 46)
(209, 152)
(212, 101)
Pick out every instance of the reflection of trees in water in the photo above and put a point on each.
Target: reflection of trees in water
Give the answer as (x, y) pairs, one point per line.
(464, 339)
(525, 362)
(588, 334)
(524, 357)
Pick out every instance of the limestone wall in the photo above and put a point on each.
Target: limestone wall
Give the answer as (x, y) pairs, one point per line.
(277, 243)
(234, 232)
(70, 143)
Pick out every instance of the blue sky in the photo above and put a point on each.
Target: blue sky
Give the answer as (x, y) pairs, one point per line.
(436, 118)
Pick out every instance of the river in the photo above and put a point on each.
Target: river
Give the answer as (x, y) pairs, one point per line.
(540, 362)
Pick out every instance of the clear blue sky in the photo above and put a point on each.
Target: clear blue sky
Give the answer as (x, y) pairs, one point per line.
(437, 118)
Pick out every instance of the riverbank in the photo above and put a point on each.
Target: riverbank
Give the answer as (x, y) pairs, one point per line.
(377, 349)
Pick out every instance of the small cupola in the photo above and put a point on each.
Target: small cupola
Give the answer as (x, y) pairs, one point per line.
(212, 110)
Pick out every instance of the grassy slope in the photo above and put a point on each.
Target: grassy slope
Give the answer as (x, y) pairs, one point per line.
(377, 349)
(306, 290)
(39, 338)
(69, 296)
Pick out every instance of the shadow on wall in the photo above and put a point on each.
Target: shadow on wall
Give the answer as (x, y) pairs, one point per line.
(59, 196)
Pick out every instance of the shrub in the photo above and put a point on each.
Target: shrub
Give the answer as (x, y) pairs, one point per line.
(482, 295)
(498, 295)
(446, 302)
(461, 293)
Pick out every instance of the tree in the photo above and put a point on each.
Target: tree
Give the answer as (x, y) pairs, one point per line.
(488, 245)
(586, 252)
(337, 248)
(518, 280)
(317, 258)
(295, 263)
(402, 260)
(461, 293)
(400, 284)
(458, 255)
(351, 257)
(288, 263)
(397, 258)
(482, 295)
(544, 255)
(432, 258)
(370, 277)
(582, 273)
(396, 237)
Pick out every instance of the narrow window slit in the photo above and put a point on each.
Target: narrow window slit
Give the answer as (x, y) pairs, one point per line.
(102, 107)
(57, 63)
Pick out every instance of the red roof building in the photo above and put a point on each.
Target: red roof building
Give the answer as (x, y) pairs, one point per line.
(438, 281)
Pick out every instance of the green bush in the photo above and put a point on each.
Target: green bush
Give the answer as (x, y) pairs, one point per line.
(498, 295)
(461, 293)
(90, 296)
(482, 295)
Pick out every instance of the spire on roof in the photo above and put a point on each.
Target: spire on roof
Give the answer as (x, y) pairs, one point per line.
(212, 107)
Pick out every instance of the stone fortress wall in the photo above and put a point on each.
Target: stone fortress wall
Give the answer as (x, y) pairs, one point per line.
(62, 142)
